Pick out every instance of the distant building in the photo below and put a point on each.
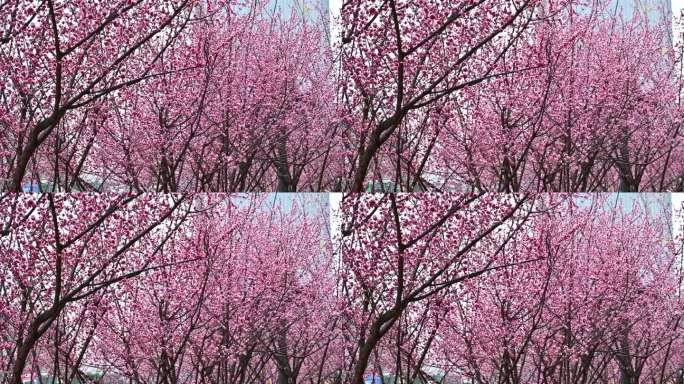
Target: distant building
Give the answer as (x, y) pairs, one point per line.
(334, 8)
(677, 9)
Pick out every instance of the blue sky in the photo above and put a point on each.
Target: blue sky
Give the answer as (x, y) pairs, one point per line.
(307, 6)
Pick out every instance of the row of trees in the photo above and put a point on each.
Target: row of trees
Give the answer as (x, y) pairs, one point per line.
(163, 289)
(512, 96)
(159, 95)
(430, 288)
(207, 95)
(504, 289)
